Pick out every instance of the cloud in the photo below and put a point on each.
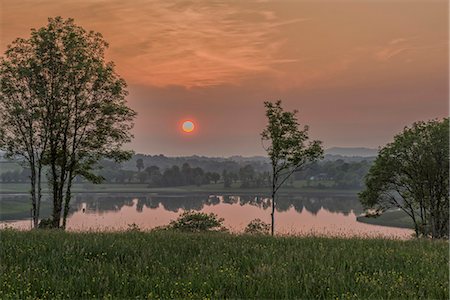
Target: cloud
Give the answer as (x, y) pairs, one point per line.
(401, 46)
(165, 43)
(195, 44)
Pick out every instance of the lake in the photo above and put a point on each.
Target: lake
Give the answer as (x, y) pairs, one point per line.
(297, 213)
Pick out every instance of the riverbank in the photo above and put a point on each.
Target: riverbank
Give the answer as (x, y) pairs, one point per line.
(23, 188)
(52, 264)
(393, 218)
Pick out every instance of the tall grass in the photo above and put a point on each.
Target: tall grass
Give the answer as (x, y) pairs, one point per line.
(137, 265)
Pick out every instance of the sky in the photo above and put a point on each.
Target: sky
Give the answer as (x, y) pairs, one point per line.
(358, 72)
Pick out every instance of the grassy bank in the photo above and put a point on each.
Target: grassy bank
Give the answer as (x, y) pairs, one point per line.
(395, 218)
(46, 264)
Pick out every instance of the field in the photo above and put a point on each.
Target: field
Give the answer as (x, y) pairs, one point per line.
(163, 264)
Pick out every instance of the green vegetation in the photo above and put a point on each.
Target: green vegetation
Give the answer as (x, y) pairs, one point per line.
(412, 174)
(48, 264)
(62, 109)
(392, 218)
(257, 226)
(191, 221)
(288, 147)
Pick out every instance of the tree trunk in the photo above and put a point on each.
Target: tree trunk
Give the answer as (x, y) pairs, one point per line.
(57, 207)
(67, 200)
(33, 196)
(39, 194)
(272, 230)
(56, 200)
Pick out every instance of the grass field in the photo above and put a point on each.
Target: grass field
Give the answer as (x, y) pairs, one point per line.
(136, 265)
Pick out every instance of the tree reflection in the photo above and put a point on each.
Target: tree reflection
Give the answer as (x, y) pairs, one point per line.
(102, 203)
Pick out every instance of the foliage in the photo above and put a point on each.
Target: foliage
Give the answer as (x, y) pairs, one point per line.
(288, 149)
(175, 265)
(46, 223)
(140, 164)
(257, 226)
(412, 174)
(133, 227)
(192, 221)
(72, 103)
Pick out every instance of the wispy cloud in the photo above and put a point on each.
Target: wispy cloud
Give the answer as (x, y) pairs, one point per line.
(184, 43)
(194, 44)
(401, 46)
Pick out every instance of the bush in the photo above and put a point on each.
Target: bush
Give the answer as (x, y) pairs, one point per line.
(45, 224)
(257, 226)
(133, 227)
(192, 221)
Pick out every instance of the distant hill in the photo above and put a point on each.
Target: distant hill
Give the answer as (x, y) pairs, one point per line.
(349, 152)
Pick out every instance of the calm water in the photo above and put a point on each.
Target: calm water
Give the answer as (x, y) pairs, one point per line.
(296, 213)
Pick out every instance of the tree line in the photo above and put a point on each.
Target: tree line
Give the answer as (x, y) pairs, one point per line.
(337, 174)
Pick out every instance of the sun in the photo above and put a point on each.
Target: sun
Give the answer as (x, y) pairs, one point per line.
(188, 126)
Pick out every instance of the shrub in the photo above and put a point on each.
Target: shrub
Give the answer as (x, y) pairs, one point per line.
(192, 221)
(45, 224)
(133, 227)
(257, 226)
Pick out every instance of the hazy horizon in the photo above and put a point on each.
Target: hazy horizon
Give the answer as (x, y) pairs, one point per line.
(358, 72)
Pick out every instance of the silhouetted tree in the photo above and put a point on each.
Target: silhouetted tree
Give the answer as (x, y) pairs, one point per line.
(140, 164)
(287, 148)
(75, 102)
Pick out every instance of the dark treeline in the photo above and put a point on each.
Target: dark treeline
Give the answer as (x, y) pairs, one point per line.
(342, 174)
(244, 173)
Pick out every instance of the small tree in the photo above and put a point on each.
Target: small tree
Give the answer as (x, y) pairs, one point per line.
(192, 221)
(140, 164)
(412, 174)
(287, 147)
(257, 226)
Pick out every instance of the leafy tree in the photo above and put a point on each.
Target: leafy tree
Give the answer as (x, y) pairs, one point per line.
(247, 175)
(227, 179)
(412, 174)
(23, 133)
(186, 172)
(142, 177)
(213, 176)
(257, 226)
(173, 176)
(287, 147)
(140, 164)
(73, 99)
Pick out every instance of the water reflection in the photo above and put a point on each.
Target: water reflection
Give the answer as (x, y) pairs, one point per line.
(296, 213)
(175, 203)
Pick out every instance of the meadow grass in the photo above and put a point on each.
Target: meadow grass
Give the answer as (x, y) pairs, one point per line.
(164, 264)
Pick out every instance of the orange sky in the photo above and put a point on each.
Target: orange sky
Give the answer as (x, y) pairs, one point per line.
(358, 71)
